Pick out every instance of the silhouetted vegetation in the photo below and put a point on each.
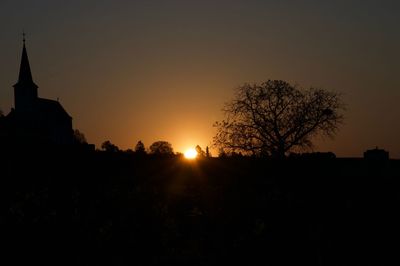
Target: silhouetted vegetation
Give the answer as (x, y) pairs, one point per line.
(79, 137)
(109, 147)
(152, 210)
(140, 148)
(161, 148)
(200, 152)
(274, 118)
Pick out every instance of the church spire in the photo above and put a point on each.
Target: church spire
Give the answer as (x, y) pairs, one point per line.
(25, 90)
(25, 75)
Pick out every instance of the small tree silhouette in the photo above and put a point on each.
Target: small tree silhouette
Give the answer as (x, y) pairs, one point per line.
(109, 147)
(161, 148)
(200, 152)
(208, 154)
(221, 153)
(79, 137)
(139, 148)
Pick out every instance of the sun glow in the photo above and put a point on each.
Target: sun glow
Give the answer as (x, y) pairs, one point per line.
(190, 154)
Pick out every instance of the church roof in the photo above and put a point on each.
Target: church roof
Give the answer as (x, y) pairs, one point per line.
(44, 108)
(51, 108)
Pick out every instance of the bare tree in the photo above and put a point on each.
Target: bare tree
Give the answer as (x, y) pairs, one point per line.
(274, 117)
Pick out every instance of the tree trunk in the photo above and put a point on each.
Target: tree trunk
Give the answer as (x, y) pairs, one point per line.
(280, 152)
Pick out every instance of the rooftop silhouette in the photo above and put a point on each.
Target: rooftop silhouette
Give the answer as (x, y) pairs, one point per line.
(33, 119)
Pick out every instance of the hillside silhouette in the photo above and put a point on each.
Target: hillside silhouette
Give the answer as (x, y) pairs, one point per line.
(105, 208)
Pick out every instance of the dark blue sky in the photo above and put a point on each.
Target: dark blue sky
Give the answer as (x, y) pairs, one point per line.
(150, 70)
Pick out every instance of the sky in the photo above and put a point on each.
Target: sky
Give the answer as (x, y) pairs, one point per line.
(162, 70)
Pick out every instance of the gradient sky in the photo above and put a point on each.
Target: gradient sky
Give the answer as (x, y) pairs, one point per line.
(162, 70)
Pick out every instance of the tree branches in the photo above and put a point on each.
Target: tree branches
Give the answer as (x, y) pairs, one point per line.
(275, 117)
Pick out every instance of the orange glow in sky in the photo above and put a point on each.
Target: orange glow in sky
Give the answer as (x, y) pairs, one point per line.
(190, 154)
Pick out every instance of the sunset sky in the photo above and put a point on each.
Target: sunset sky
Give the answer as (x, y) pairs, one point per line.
(162, 70)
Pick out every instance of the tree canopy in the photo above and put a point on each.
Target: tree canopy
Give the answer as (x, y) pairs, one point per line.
(79, 137)
(109, 147)
(139, 148)
(200, 152)
(161, 148)
(275, 117)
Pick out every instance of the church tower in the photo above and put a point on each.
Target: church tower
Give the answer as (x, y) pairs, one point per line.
(25, 90)
(35, 120)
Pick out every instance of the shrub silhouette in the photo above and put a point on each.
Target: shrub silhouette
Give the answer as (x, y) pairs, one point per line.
(109, 147)
(79, 137)
(161, 148)
(139, 148)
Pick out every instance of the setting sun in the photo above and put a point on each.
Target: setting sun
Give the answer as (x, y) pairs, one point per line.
(190, 154)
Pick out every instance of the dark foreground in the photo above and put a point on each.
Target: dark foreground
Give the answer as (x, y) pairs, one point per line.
(87, 208)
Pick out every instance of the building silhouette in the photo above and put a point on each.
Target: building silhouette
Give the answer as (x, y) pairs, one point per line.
(34, 120)
(376, 154)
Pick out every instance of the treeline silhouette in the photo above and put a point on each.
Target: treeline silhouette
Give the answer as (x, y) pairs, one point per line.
(78, 206)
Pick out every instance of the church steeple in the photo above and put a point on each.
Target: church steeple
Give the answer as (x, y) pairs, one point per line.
(25, 75)
(25, 90)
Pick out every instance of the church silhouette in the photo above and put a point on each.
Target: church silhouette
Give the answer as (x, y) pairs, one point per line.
(34, 120)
